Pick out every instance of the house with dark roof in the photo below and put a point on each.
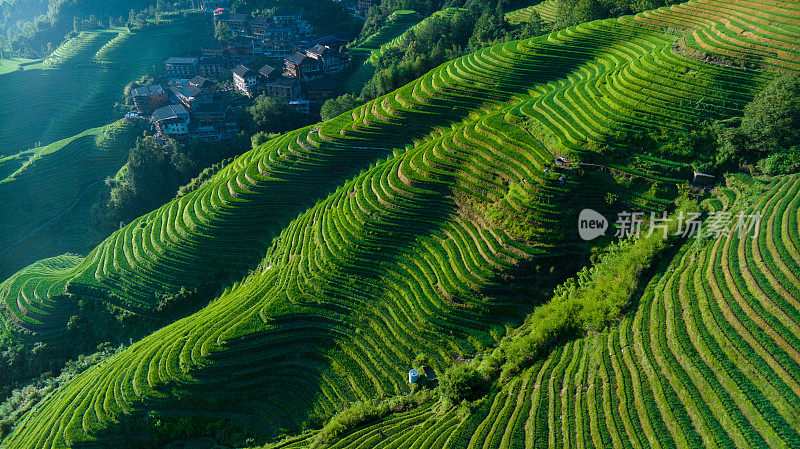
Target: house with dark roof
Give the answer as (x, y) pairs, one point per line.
(189, 96)
(331, 60)
(212, 122)
(282, 87)
(278, 40)
(210, 114)
(238, 23)
(212, 67)
(300, 66)
(203, 83)
(240, 50)
(246, 80)
(179, 67)
(171, 121)
(268, 72)
(148, 98)
(331, 40)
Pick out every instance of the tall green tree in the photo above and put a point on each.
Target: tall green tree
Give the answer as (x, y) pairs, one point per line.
(223, 33)
(770, 124)
(272, 114)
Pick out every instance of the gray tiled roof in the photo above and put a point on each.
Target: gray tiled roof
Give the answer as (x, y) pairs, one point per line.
(243, 71)
(267, 70)
(201, 82)
(297, 58)
(322, 50)
(168, 112)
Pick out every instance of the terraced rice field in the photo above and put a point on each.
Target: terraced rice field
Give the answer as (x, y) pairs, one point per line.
(401, 40)
(371, 246)
(75, 88)
(708, 359)
(395, 25)
(47, 193)
(765, 38)
(368, 54)
(548, 11)
(364, 52)
(14, 64)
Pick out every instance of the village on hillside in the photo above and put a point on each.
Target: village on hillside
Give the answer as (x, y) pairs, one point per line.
(278, 56)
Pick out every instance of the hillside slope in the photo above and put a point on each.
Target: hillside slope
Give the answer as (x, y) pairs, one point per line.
(707, 358)
(47, 194)
(363, 53)
(567, 89)
(547, 10)
(76, 87)
(400, 259)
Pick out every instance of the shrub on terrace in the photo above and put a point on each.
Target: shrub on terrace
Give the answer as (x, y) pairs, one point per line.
(782, 162)
(363, 412)
(261, 137)
(336, 106)
(5, 427)
(460, 382)
(587, 302)
(434, 41)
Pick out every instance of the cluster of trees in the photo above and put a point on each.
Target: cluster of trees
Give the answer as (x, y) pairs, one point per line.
(22, 398)
(139, 19)
(272, 115)
(574, 12)
(154, 172)
(435, 41)
(21, 17)
(768, 133)
(696, 145)
(30, 25)
(223, 33)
